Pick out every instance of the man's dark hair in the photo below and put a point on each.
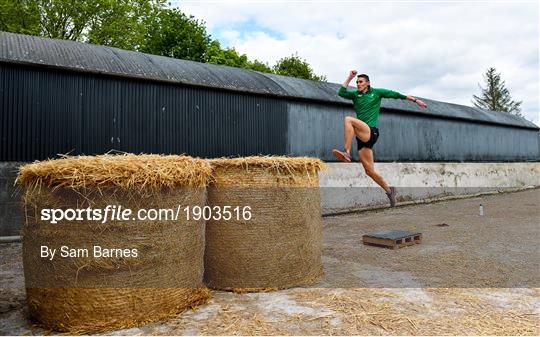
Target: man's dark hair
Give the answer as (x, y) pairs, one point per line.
(364, 76)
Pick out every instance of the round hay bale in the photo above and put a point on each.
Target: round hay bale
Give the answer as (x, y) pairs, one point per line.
(280, 245)
(91, 290)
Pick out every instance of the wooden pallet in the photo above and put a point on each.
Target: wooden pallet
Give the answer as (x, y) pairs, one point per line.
(392, 239)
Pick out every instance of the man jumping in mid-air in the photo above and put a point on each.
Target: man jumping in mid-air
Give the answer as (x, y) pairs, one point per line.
(367, 104)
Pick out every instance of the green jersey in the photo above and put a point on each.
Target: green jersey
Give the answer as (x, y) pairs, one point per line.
(367, 105)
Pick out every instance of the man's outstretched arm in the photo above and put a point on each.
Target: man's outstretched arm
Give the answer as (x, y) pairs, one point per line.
(418, 102)
(394, 94)
(343, 92)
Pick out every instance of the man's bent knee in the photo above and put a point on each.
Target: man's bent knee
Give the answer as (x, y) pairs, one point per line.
(367, 168)
(370, 172)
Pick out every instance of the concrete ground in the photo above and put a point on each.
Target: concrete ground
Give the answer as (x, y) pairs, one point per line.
(471, 275)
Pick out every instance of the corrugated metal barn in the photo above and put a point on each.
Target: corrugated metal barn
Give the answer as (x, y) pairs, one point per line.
(68, 97)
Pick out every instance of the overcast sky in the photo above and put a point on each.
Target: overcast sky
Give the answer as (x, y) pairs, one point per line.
(432, 49)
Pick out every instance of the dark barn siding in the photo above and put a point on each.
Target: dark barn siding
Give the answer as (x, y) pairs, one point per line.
(316, 128)
(406, 138)
(48, 112)
(61, 96)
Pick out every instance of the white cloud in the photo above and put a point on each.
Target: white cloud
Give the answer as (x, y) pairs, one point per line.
(437, 50)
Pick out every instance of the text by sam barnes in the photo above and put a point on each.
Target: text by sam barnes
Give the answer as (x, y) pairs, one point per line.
(96, 252)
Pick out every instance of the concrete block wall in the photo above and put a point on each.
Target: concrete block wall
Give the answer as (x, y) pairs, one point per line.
(345, 187)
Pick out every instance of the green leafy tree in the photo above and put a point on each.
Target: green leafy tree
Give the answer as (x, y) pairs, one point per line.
(296, 67)
(116, 23)
(123, 24)
(67, 20)
(173, 34)
(228, 56)
(19, 17)
(495, 96)
(142, 25)
(259, 66)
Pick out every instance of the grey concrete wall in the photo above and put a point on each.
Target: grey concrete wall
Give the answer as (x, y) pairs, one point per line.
(11, 213)
(314, 129)
(345, 187)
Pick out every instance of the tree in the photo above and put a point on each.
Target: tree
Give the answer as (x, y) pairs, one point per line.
(19, 17)
(171, 33)
(296, 67)
(259, 66)
(123, 24)
(141, 25)
(228, 56)
(67, 20)
(115, 23)
(496, 96)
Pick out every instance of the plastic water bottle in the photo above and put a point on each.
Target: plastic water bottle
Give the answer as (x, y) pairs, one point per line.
(481, 209)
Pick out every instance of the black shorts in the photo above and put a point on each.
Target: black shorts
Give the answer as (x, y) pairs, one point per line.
(372, 139)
